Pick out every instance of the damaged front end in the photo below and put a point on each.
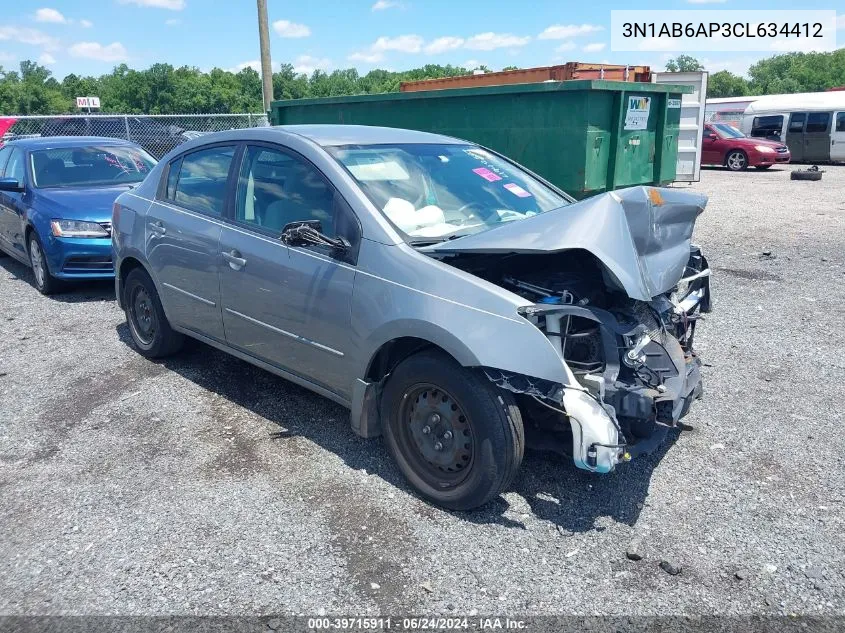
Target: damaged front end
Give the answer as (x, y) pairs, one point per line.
(626, 346)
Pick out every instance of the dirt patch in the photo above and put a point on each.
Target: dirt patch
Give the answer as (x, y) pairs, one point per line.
(752, 275)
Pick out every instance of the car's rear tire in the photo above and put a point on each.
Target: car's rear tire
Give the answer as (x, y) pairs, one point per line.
(456, 437)
(150, 330)
(45, 283)
(737, 160)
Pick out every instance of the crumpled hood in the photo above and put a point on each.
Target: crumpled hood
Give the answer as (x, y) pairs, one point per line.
(642, 235)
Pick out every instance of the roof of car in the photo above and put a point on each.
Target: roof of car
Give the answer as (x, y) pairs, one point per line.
(330, 135)
(58, 142)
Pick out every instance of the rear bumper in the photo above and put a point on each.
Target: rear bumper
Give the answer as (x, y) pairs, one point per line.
(75, 258)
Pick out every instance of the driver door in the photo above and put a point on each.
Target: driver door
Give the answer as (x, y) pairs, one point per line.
(288, 305)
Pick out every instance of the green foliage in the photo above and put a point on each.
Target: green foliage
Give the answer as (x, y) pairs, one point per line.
(726, 84)
(163, 89)
(683, 64)
(798, 72)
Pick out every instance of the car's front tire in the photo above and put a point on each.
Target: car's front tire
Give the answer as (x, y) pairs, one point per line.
(456, 437)
(45, 283)
(151, 332)
(737, 160)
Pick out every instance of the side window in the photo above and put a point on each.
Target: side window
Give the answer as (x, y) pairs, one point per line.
(172, 179)
(16, 165)
(796, 122)
(4, 156)
(202, 180)
(818, 121)
(764, 126)
(276, 188)
(840, 127)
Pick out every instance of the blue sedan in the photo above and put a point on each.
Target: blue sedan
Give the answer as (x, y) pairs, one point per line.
(56, 197)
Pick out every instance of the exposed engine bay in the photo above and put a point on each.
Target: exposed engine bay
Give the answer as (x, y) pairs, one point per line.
(634, 359)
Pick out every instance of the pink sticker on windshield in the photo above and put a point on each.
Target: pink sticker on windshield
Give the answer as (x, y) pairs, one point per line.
(486, 174)
(516, 190)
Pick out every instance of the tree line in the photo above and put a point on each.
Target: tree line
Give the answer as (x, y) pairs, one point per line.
(781, 74)
(165, 89)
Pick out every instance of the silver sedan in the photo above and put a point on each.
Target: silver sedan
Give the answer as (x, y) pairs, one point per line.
(455, 302)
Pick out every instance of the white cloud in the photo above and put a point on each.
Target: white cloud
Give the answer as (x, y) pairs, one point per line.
(564, 31)
(402, 43)
(286, 28)
(366, 56)
(472, 64)
(308, 64)
(46, 59)
(172, 22)
(443, 44)
(594, 47)
(492, 41)
(254, 64)
(566, 46)
(50, 15)
(6, 57)
(86, 24)
(173, 5)
(28, 36)
(381, 5)
(114, 52)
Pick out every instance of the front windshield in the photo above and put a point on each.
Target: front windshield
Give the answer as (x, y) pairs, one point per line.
(432, 192)
(90, 166)
(728, 131)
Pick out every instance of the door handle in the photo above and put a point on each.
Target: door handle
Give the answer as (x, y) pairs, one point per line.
(158, 228)
(236, 262)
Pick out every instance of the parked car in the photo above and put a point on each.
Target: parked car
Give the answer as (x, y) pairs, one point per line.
(155, 137)
(56, 197)
(454, 301)
(725, 145)
(6, 124)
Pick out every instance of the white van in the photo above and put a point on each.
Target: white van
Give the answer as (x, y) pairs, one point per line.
(812, 124)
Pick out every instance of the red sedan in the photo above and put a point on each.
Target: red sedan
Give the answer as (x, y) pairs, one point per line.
(723, 144)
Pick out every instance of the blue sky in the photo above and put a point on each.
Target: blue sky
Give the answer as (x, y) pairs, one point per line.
(91, 37)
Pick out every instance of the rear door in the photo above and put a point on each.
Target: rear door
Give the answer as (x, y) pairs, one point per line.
(795, 135)
(837, 137)
(183, 237)
(817, 137)
(288, 305)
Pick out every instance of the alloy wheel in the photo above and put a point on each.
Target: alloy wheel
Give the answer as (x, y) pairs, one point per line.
(736, 161)
(39, 267)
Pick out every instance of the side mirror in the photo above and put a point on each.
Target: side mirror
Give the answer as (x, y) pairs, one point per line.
(310, 233)
(712, 136)
(11, 184)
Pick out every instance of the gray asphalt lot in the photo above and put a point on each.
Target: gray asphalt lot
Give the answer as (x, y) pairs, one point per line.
(202, 485)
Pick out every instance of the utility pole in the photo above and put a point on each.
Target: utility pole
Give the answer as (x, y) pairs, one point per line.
(266, 66)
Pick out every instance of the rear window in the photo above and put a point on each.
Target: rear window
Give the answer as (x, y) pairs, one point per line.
(90, 166)
(767, 126)
(201, 184)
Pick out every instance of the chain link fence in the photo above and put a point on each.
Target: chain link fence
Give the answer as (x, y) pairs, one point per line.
(158, 134)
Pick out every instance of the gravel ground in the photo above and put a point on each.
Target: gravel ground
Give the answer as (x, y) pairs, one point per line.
(201, 485)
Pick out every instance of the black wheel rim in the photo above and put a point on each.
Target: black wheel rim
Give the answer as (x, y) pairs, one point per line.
(435, 435)
(142, 316)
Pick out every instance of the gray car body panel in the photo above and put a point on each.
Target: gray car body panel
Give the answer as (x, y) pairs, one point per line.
(320, 322)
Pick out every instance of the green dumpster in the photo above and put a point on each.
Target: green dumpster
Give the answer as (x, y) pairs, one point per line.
(585, 136)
